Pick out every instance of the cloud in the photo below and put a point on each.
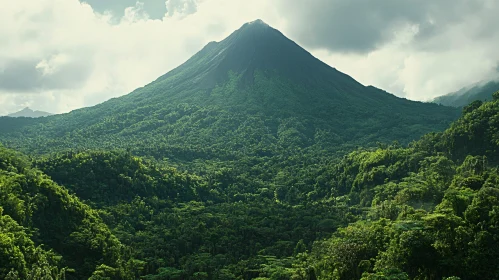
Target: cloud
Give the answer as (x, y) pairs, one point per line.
(362, 26)
(55, 72)
(155, 9)
(412, 48)
(136, 13)
(181, 7)
(18, 75)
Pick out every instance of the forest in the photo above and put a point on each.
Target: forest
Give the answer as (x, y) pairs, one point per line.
(252, 160)
(424, 210)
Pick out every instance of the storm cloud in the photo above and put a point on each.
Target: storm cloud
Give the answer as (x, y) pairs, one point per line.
(362, 26)
(54, 73)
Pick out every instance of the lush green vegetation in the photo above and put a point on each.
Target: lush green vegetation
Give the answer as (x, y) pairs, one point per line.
(219, 225)
(425, 211)
(46, 233)
(235, 166)
(433, 207)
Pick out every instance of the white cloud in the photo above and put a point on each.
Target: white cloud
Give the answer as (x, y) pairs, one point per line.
(181, 7)
(53, 64)
(134, 14)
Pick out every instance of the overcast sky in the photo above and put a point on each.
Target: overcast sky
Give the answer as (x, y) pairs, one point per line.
(59, 55)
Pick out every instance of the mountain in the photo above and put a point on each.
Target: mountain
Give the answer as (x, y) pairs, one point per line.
(480, 91)
(27, 112)
(256, 94)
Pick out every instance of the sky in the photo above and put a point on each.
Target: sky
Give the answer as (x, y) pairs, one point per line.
(60, 55)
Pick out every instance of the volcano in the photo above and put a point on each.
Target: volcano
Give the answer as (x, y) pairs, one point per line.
(256, 93)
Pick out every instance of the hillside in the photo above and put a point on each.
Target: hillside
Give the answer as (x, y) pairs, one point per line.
(29, 113)
(182, 226)
(254, 94)
(481, 91)
(47, 233)
(423, 211)
(432, 206)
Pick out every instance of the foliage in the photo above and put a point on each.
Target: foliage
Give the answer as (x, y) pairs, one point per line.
(432, 211)
(44, 229)
(231, 170)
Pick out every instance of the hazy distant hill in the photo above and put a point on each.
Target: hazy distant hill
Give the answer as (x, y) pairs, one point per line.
(466, 95)
(27, 112)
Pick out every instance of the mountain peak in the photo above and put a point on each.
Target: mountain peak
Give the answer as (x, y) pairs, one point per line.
(255, 47)
(254, 30)
(258, 21)
(256, 24)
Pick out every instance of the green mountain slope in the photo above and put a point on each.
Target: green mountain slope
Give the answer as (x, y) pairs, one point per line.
(256, 93)
(463, 97)
(432, 206)
(424, 211)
